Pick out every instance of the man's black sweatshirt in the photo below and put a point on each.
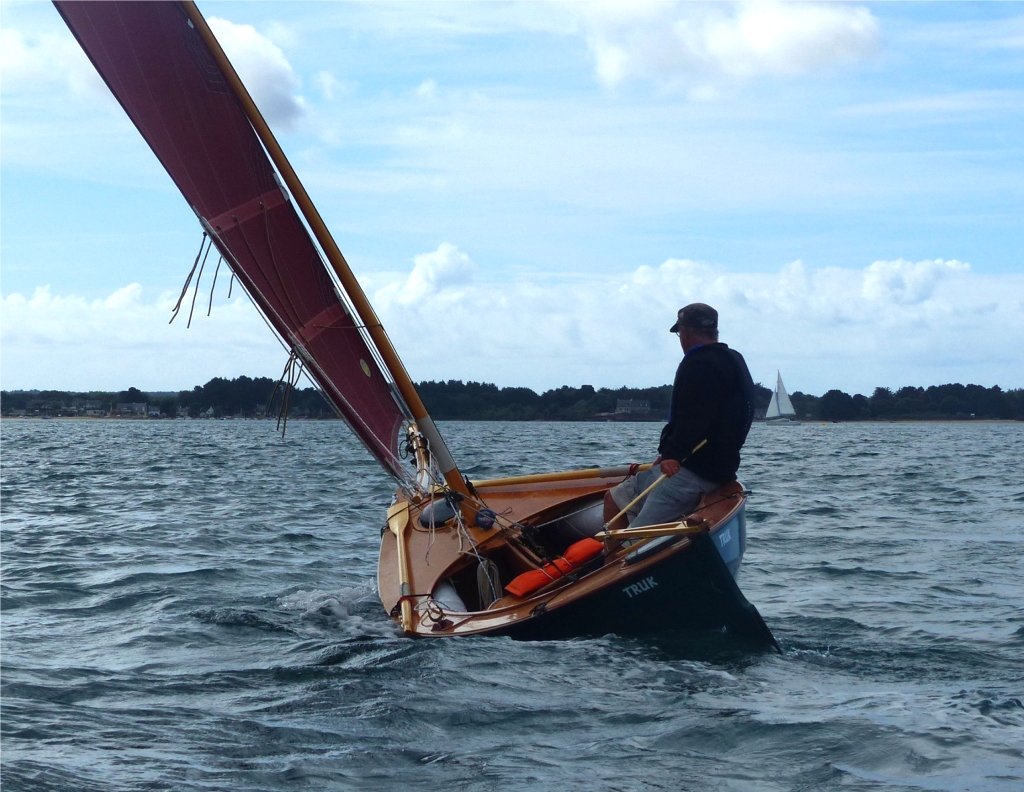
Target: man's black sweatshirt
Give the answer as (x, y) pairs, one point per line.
(712, 399)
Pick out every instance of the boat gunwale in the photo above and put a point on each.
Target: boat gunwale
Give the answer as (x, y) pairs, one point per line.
(583, 474)
(614, 568)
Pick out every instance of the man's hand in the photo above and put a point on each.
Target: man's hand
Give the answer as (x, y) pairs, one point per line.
(670, 467)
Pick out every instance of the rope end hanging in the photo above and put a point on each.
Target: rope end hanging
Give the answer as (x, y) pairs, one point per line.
(289, 379)
(209, 308)
(199, 277)
(188, 280)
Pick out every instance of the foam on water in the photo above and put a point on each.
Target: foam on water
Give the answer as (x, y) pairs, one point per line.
(192, 605)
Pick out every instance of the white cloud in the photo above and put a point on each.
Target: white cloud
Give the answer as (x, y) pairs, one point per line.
(891, 323)
(963, 34)
(264, 69)
(439, 275)
(953, 105)
(680, 44)
(331, 87)
(69, 342)
(36, 62)
(427, 89)
(905, 282)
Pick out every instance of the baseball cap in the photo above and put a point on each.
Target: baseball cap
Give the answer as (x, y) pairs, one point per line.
(697, 316)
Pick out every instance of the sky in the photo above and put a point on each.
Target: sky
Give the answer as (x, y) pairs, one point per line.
(528, 192)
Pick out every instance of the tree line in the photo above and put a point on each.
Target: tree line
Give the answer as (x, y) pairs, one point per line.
(242, 397)
(956, 401)
(454, 400)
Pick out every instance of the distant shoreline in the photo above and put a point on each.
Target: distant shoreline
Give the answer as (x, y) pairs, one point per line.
(305, 419)
(454, 400)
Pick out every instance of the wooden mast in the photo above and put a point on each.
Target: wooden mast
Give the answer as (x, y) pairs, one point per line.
(367, 315)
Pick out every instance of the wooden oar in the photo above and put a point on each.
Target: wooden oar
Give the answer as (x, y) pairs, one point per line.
(615, 471)
(660, 479)
(398, 521)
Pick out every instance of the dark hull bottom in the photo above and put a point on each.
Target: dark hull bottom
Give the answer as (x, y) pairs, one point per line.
(689, 590)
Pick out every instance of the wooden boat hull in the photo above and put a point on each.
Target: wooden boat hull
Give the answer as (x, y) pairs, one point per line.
(689, 590)
(679, 582)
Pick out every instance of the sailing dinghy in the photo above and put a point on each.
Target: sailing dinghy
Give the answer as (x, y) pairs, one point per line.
(524, 556)
(780, 408)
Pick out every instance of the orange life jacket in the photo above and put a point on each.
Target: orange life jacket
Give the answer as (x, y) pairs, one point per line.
(577, 554)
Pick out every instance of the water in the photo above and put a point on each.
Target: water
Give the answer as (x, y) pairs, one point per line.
(191, 605)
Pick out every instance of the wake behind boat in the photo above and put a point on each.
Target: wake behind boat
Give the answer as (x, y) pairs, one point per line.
(529, 556)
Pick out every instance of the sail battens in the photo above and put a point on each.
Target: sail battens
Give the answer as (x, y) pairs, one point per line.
(168, 81)
(249, 210)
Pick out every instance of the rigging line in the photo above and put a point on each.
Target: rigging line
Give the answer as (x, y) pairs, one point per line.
(214, 286)
(296, 374)
(461, 527)
(261, 311)
(195, 291)
(264, 310)
(188, 280)
(293, 370)
(231, 283)
(286, 390)
(286, 403)
(277, 385)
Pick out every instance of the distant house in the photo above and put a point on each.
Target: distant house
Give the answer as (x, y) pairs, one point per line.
(153, 411)
(131, 408)
(96, 413)
(634, 406)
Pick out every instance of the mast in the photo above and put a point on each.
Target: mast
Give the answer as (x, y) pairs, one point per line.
(348, 281)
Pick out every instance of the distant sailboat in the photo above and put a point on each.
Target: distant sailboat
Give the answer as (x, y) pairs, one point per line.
(780, 407)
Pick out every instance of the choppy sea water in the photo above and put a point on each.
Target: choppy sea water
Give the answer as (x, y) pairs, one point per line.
(191, 605)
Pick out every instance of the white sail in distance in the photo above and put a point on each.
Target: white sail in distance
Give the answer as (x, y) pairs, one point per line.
(780, 406)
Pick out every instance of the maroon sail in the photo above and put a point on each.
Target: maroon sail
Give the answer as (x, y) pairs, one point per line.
(166, 79)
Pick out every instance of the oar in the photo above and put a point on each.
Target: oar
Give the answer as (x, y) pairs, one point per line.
(398, 521)
(660, 479)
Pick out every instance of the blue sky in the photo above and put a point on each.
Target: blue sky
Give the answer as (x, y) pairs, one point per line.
(528, 191)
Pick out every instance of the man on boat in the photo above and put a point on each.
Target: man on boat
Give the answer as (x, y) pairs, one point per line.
(712, 400)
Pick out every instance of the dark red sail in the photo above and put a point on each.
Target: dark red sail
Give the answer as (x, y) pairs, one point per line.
(166, 79)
